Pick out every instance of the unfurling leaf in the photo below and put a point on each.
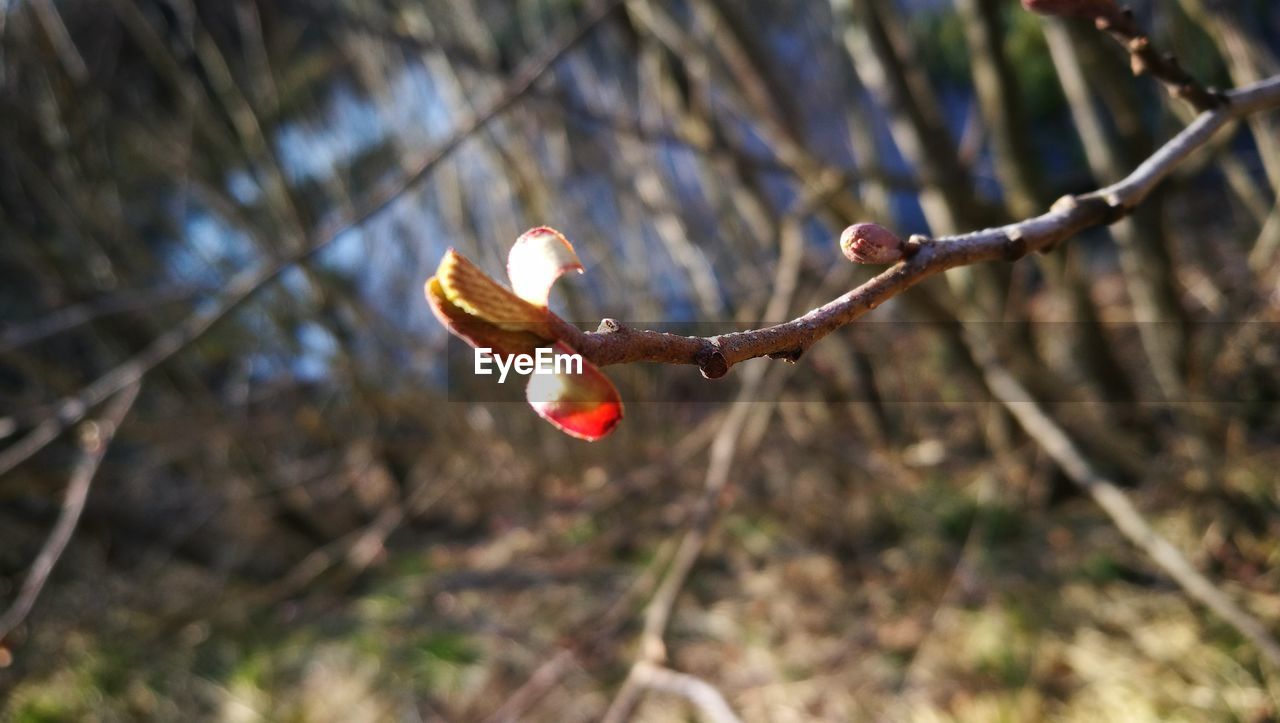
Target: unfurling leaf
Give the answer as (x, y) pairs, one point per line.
(471, 289)
(475, 331)
(541, 255)
(581, 402)
(585, 405)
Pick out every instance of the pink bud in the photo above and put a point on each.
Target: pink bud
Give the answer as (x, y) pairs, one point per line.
(1073, 8)
(870, 243)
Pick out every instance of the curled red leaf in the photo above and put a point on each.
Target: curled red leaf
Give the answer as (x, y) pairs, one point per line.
(585, 404)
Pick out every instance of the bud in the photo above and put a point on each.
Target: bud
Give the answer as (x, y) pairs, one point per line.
(1073, 8)
(871, 243)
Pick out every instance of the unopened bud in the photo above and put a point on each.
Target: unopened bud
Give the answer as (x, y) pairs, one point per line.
(1072, 8)
(871, 243)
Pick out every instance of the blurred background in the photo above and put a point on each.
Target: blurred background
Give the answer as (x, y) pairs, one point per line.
(305, 516)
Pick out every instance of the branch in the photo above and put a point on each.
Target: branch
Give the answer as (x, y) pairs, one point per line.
(601, 630)
(724, 450)
(1119, 23)
(94, 445)
(614, 343)
(1055, 442)
(356, 551)
(584, 114)
(53, 421)
(1145, 60)
(658, 611)
(67, 318)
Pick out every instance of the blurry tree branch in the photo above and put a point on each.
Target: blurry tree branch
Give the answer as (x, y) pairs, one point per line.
(710, 703)
(579, 112)
(657, 613)
(748, 87)
(724, 450)
(1040, 426)
(543, 679)
(606, 626)
(56, 30)
(603, 628)
(1144, 59)
(1144, 263)
(14, 336)
(882, 55)
(243, 286)
(94, 442)
(357, 550)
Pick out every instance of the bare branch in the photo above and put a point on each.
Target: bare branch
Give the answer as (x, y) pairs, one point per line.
(1144, 59)
(617, 344)
(94, 442)
(355, 551)
(1145, 267)
(546, 677)
(70, 317)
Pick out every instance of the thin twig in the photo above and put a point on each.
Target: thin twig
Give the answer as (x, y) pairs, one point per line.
(544, 678)
(94, 442)
(248, 283)
(13, 337)
(602, 631)
(1144, 59)
(715, 355)
(356, 550)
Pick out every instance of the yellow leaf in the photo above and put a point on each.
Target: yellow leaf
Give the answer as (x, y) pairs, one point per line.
(471, 289)
(476, 331)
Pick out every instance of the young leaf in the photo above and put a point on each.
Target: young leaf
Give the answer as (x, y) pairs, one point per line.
(469, 288)
(540, 256)
(476, 331)
(586, 405)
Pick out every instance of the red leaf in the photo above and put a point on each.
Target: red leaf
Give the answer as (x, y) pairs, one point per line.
(584, 405)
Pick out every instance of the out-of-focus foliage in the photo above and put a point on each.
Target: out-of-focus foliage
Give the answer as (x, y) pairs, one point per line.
(315, 512)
